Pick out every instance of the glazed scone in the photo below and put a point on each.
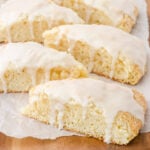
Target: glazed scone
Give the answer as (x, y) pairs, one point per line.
(105, 50)
(26, 20)
(88, 106)
(23, 65)
(119, 13)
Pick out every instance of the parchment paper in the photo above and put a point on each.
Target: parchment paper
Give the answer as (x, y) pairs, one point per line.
(12, 123)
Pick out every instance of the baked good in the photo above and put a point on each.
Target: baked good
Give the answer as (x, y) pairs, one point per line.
(88, 106)
(119, 13)
(23, 65)
(26, 20)
(105, 50)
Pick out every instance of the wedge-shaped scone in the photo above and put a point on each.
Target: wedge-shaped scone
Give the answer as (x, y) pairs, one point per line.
(26, 20)
(103, 49)
(88, 106)
(120, 13)
(23, 65)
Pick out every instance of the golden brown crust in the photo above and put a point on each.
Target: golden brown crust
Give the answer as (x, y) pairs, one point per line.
(128, 81)
(127, 125)
(127, 23)
(139, 97)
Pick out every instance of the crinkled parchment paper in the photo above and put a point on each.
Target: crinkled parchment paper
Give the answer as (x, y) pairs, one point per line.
(12, 123)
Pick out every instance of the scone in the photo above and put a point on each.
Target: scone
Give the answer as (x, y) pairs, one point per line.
(26, 20)
(119, 13)
(23, 65)
(105, 50)
(88, 106)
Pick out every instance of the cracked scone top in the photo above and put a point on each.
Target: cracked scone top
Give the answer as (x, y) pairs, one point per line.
(23, 65)
(105, 50)
(89, 106)
(26, 20)
(119, 13)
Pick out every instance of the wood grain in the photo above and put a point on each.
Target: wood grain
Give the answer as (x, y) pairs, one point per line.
(142, 142)
(148, 2)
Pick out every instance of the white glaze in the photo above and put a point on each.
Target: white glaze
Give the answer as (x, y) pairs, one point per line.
(31, 29)
(110, 98)
(32, 73)
(14, 10)
(8, 34)
(91, 61)
(88, 15)
(114, 58)
(75, 3)
(58, 38)
(32, 56)
(47, 75)
(84, 112)
(71, 46)
(60, 119)
(115, 41)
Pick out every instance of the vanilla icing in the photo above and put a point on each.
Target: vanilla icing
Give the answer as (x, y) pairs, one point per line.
(114, 40)
(32, 56)
(14, 10)
(109, 98)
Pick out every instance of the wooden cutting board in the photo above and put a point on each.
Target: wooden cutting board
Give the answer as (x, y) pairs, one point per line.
(142, 142)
